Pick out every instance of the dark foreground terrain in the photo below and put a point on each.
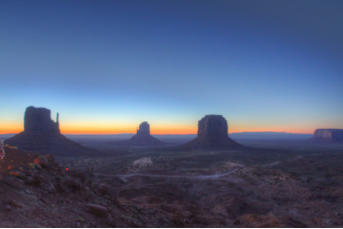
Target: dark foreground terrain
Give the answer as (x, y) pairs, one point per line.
(272, 184)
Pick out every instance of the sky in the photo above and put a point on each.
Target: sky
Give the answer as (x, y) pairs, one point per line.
(106, 66)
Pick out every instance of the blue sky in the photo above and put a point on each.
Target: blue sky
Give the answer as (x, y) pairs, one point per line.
(108, 65)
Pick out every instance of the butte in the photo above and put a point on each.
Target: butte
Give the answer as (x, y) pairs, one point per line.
(42, 135)
(212, 134)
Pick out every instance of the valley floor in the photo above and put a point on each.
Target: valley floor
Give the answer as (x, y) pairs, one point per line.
(290, 186)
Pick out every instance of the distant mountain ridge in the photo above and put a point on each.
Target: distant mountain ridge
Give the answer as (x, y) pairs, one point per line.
(270, 135)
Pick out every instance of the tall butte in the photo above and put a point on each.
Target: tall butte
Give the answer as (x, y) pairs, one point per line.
(212, 134)
(42, 135)
(143, 137)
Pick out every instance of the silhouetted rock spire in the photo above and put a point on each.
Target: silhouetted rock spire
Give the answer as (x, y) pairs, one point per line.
(144, 129)
(58, 120)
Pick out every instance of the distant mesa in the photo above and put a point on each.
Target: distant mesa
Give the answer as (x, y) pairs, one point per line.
(38, 121)
(328, 135)
(42, 135)
(143, 137)
(212, 134)
(144, 129)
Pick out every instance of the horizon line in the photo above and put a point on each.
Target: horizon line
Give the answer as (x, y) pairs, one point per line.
(122, 133)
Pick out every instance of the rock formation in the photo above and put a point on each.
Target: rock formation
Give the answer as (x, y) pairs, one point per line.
(42, 135)
(328, 135)
(38, 121)
(143, 137)
(212, 134)
(144, 129)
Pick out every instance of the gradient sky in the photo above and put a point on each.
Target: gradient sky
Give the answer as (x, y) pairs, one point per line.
(108, 65)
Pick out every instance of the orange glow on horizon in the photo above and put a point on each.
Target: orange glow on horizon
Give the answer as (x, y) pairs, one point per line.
(10, 128)
(104, 127)
(154, 130)
(157, 129)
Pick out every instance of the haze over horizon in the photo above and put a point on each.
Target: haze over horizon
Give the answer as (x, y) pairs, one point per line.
(105, 66)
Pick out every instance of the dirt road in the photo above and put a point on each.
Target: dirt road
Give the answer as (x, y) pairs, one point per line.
(125, 177)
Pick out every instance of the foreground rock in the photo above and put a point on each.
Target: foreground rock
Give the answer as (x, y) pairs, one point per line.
(212, 134)
(143, 138)
(97, 209)
(42, 135)
(307, 192)
(37, 192)
(328, 135)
